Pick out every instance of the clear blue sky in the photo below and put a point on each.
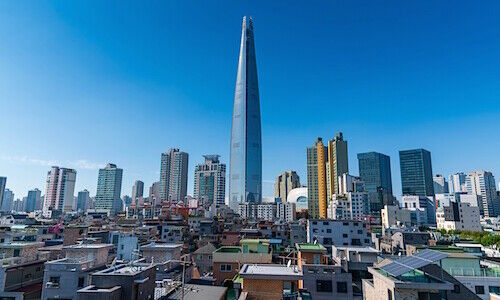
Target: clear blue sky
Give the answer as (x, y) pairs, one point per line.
(90, 82)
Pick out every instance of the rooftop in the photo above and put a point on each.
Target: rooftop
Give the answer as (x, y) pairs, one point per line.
(310, 247)
(161, 246)
(88, 246)
(268, 271)
(228, 249)
(128, 269)
(357, 248)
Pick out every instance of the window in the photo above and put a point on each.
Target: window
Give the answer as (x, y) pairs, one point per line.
(342, 287)
(16, 252)
(494, 289)
(456, 289)
(324, 286)
(81, 282)
(389, 293)
(360, 231)
(54, 281)
(479, 289)
(226, 268)
(344, 235)
(328, 231)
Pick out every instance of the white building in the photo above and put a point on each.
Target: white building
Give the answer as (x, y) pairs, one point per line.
(264, 211)
(440, 184)
(286, 212)
(456, 183)
(349, 206)
(59, 193)
(338, 232)
(458, 216)
(482, 183)
(393, 215)
(422, 207)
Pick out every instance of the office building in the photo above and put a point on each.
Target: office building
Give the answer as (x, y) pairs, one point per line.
(456, 183)
(482, 183)
(33, 199)
(440, 184)
(422, 209)
(137, 191)
(109, 187)
(210, 181)
(337, 162)
(375, 171)
(245, 169)
(316, 180)
(458, 216)
(173, 176)
(285, 182)
(3, 182)
(8, 200)
(59, 194)
(416, 172)
(83, 201)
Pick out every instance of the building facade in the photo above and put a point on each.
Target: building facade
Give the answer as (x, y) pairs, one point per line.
(416, 172)
(316, 180)
(245, 173)
(482, 183)
(210, 181)
(285, 182)
(337, 162)
(109, 187)
(137, 191)
(440, 184)
(34, 197)
(59, 194)
(173, 176)
(375, 171)
(3, 182)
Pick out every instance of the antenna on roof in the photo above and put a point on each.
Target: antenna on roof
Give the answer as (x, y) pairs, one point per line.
(289, 264)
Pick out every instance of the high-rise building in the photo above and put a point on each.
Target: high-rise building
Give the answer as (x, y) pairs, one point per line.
(337, 162)
(154, 193)
(482, 183)
(416, 172)
(375, 171)
(3, 182)
(245, 173)
(137, 190)
(173, 175)
(109, 186)
(8, 200)
(210, 181)
(316, 180)
(32, 200)
(83, 201)
(456, 183)
(440, 184)
(285, 182)
(59, 193)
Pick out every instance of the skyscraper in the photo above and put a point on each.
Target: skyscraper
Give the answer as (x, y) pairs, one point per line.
(3, 182)
(83, 201)
(8, 200)
(416, 172)
(482, 183)
(285, 182)
(456, 183)
(137, 190)
(440, 184)
(245, 174)
(316, 180)
(210, 181)
(337, 162)
(375, 171)
(59, 193)
(32, 200)
(109, 187)
(173, 175)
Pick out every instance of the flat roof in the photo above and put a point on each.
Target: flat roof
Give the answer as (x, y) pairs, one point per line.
(88, 246)
(198, 292)
(310, 247)
(269, 271)
(357, 248)
(160, 246)
(127, 269)
(228, 249)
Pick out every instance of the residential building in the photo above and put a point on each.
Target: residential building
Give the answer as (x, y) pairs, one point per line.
(440, 184)
(127, 245)
(131, 281)
(482, 183)
(395, 216)
(202, 258)
(375, 171)
(285, 182)
(459, 216)
(286, 212)
(210, 181)
(109, 187)
(350, 206)
(337, 162)
(83, 201)
(416, 172)
(298, 232)
(32, 200)
(173, 176)
(228, 260)
(59, 194)
(137, 191)
(338, 232)
(245, 168)
(161, 252)
(316, 180)
(270, 282)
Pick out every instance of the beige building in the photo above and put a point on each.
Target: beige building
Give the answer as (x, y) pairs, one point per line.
(285, 182)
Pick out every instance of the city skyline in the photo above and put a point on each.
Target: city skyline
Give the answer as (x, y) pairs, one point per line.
(86, 150)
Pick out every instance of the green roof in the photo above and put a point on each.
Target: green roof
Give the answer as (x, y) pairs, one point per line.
(254, 241)
(228, 249)
(309, 247)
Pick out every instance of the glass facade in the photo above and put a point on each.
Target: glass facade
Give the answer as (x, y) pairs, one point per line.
(416, 172)
(245, 176)
(109, 186)
(375, 171)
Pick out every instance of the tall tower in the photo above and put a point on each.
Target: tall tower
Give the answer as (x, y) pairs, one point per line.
(245, 170)
(59, 194)
(210, 181)
(173, 175)
(337, 162)
(416, 172)
(109, 187)
(285, 182)
(316, 180)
